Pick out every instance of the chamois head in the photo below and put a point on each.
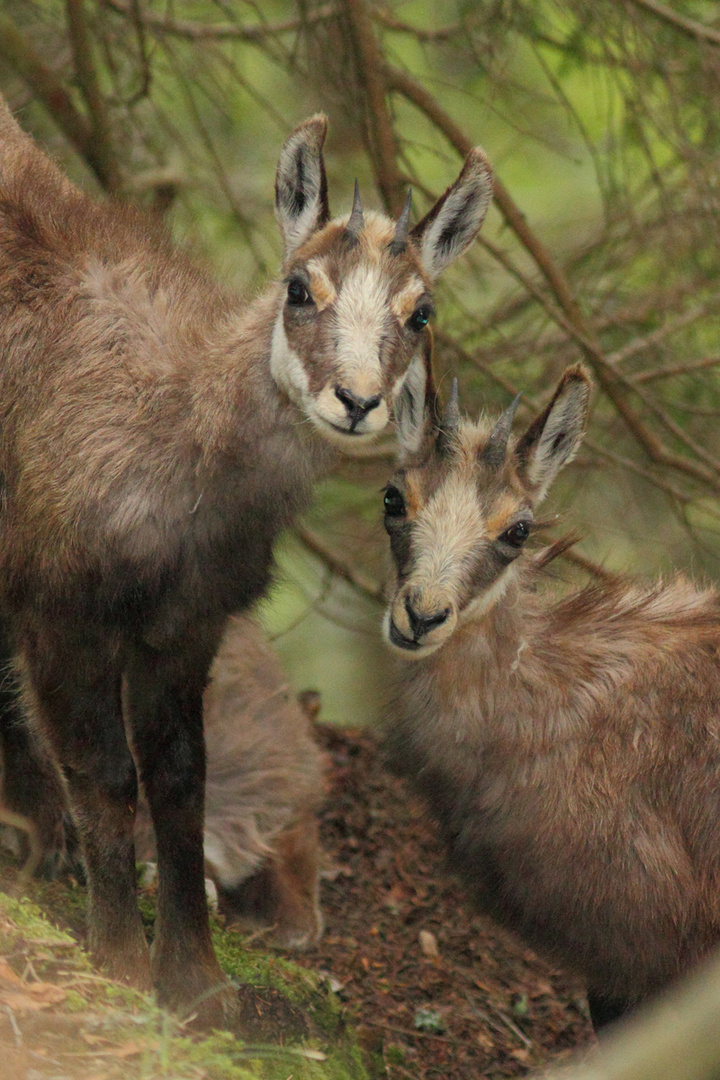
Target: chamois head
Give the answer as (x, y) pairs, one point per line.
(358, 289)
(460, 506)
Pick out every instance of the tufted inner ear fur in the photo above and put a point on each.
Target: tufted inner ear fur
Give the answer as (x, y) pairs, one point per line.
(301, 200)
(455, 219)
(553, 438)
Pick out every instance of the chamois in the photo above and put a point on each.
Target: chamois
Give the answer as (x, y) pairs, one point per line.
(568, 747)
(155, 437)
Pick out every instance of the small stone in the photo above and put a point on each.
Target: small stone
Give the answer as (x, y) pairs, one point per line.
(429, 945)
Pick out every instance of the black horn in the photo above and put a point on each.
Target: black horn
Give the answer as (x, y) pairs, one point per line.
(356, 222)
(399, 241)
(495, 448)
(450, 420)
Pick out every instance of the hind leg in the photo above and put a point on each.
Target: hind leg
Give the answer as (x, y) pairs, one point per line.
(284, 891)
(74, 687)
(31, 784)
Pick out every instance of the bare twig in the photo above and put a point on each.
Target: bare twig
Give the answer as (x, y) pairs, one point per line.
(379, 130)
(444, 33)
(90, 88)
(668, 328)
(322, 550)
(676, 369)
(18, 52)
(680, 22)
(197, 31)
(146, 77)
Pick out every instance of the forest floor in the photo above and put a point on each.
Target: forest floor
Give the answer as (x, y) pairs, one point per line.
(434, 988)
(431, 990)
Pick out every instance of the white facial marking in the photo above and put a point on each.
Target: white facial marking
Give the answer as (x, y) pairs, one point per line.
(361, 318)
(286, 366)
(446, 536)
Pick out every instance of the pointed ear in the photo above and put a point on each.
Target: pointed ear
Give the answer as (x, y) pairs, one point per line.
(553, 438)
(301, 202)
(415, 408)
(455, 219)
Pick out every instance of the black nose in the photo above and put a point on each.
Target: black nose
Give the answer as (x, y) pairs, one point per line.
(357, 407)
(422, 624)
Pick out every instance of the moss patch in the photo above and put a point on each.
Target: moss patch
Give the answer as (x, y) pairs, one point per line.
(59, 1010)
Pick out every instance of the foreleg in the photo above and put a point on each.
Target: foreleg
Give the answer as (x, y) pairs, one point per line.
(164, 695)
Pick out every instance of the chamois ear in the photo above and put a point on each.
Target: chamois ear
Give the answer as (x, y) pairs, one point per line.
(553, 438)
(415, 408)
(301, 200)
(455, 219)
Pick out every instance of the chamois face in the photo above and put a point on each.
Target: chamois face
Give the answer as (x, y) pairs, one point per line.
(358, 290)
(460, 508)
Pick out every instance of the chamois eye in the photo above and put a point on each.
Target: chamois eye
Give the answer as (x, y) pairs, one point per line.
(394, 502)
(420, 317)
(517, 534)
(297, 293)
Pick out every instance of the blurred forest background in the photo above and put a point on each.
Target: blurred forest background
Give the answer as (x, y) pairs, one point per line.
(602, 121)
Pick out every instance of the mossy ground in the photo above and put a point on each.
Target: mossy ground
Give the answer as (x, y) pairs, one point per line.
(60, 1018)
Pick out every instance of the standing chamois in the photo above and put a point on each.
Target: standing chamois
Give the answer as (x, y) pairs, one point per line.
(155, 437)
(569, 749)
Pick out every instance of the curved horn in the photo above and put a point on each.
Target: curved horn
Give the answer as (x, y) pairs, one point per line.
(495, 448)
(399, 241)
(356, 222)
(450, 420)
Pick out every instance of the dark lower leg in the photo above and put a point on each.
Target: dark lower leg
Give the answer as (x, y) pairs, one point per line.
(31, 784)
(76, 691)
(164, 699)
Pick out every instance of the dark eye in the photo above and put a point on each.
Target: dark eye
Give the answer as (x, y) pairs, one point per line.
(394, 502)
(420, 317)
(297, 293)
(517, 534)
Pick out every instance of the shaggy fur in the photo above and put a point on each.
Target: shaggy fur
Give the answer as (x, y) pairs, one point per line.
(570, 749)
(155, 437)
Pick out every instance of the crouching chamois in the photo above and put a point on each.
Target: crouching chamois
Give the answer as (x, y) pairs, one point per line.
(155, 437)
(569, 748)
